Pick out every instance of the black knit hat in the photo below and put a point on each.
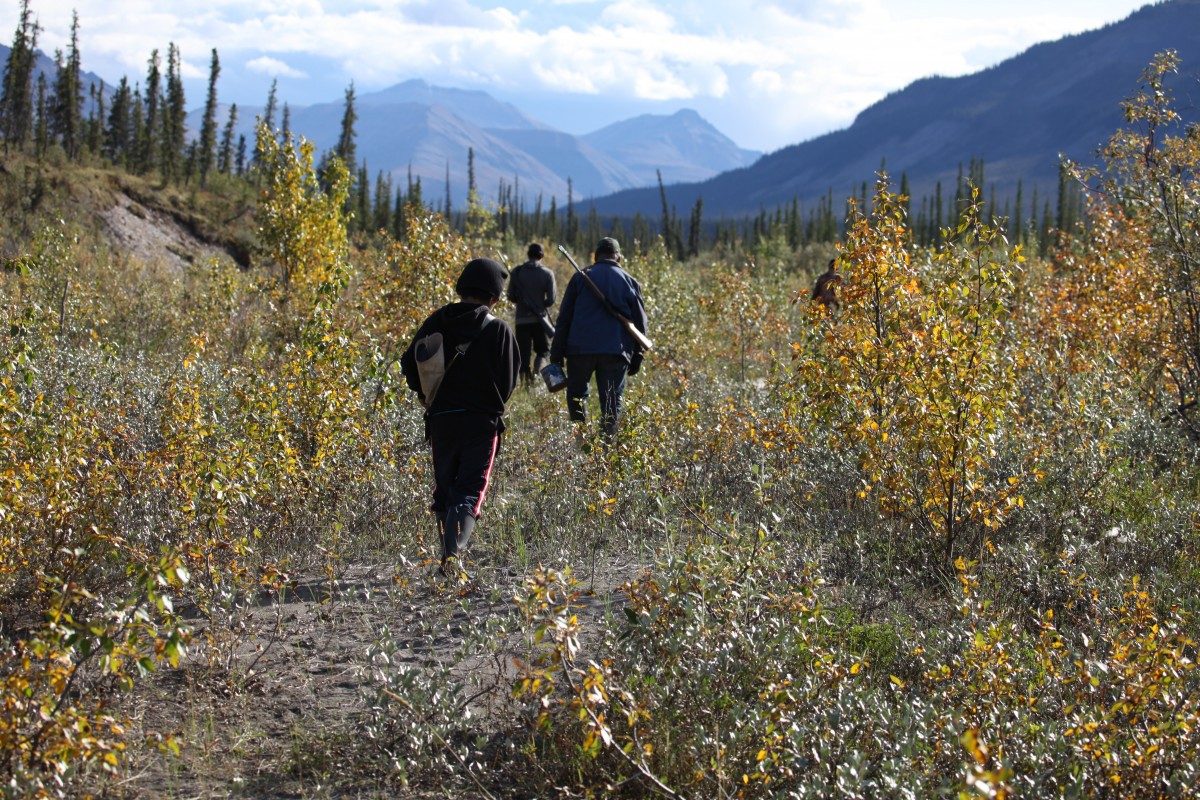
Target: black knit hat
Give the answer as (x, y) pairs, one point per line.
(481, 276)
(535, 251)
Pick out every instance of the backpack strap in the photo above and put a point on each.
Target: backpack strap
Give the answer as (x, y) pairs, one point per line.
(461, 350)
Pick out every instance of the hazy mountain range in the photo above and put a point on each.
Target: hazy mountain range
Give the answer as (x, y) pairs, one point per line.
(1062, 97)
(430, 128)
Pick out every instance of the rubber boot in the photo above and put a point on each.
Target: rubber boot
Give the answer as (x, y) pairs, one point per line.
(459, 525)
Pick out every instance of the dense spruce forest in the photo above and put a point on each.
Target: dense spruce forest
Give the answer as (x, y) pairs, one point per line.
(940, 541)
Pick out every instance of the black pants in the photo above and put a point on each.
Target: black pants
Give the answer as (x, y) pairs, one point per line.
(464, 454)
(531, 339)
(610, 374)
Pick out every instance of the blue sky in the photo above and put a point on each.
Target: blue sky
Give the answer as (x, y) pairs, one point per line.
(766, 73)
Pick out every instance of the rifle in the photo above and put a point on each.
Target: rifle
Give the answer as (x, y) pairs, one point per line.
(643, 342)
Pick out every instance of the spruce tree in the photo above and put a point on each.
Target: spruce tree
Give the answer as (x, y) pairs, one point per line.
(17, 100)
(208, 127)
(414, 194)
(641, 228)
(240, 158)
(398, 215)
(381, 214)
(472, 189)
(285, 129)
(268, 117)
(793, 225)
(502, 208)
(225, 158)
(346, 149)
(117, 135)
(68, 96)
(149, 145)
(41, 134)
(694, 230)
(95, 126)
(191, 162)
(666, 211)
(137, 128)
(617, 230)
(363, 199)
(593, 226)
(977, 178)
(174, 117)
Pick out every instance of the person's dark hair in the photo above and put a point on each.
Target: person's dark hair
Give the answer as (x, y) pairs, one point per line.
(535, 251)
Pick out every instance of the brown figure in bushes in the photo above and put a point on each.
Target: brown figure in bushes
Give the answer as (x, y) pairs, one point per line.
(825, 289)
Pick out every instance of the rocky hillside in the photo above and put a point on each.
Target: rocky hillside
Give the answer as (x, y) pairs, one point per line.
(137, 220)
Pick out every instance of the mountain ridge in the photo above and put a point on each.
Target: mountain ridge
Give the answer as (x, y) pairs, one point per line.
(1018, 116)
(509, 146)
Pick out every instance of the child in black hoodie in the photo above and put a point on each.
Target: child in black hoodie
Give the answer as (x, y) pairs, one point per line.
(465, 421)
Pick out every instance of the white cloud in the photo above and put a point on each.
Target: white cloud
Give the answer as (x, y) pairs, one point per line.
(191, 71)
(274, 67)
(816, 62)
(506, 19)
(767, 81)
(637, 15)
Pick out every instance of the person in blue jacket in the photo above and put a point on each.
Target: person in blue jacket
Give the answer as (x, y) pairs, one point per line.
(594, 342)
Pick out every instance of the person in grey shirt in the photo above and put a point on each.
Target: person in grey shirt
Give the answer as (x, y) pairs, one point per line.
(531, 288)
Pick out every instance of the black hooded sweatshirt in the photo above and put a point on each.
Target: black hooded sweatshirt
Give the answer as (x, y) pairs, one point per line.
(477, 385)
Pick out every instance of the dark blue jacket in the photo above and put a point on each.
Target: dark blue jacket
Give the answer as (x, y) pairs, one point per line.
(584, 327)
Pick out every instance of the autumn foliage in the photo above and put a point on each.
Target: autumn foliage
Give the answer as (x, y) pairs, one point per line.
(936, 541)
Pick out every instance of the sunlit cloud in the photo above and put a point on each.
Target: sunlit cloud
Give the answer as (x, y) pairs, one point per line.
(266, 65)
(637, 15)
(768, 73)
